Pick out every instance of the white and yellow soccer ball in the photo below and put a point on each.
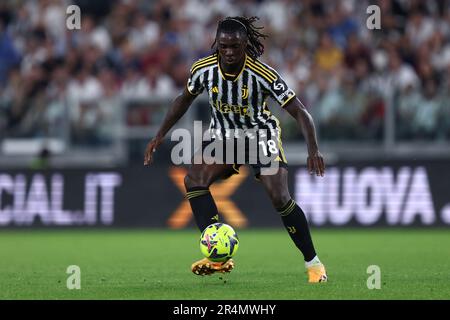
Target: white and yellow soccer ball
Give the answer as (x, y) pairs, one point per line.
(219, 242)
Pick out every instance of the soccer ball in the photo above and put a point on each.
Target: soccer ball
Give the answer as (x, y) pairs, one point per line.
(219, 242)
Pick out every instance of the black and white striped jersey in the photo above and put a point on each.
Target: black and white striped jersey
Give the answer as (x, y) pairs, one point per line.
(239, 101)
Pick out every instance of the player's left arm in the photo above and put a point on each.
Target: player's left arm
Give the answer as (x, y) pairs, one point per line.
(298, 111)
(286, 98)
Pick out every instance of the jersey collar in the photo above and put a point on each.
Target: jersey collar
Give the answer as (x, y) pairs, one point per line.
(225, 76)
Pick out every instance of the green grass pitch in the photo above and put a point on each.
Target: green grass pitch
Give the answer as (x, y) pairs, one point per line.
(155, 264)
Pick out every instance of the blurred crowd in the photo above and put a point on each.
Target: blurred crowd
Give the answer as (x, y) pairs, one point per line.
(56, 81)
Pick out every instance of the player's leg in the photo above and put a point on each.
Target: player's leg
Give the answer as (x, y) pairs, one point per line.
(197, 182)
(294, 220)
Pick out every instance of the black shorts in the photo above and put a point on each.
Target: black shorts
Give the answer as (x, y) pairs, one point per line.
(265, 156)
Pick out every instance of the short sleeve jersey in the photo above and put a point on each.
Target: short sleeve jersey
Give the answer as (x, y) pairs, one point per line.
(239, 101)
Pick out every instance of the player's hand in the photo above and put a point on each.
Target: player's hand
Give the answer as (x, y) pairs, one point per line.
(151, 147)
(316, 164)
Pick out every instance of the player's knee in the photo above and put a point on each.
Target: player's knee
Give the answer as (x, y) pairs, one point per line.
(279, 200)
(189, 181)
(192, 181)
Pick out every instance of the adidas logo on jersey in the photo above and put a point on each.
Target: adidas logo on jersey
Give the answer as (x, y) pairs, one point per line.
(215, 89)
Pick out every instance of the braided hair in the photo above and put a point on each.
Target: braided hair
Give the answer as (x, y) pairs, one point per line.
(246, 27)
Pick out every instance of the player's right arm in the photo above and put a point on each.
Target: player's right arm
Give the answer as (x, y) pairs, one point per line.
(178, 108)
(181, 104)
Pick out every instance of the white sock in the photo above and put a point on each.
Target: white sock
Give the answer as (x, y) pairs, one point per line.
(315, 261)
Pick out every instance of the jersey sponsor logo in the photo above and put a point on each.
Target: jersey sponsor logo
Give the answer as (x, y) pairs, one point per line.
(229, 108)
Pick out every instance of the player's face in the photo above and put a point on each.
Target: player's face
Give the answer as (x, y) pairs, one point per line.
(231, 47)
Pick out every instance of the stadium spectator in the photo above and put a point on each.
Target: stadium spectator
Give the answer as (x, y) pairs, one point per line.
(328, 56)
(139, 50)
(9, 57)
